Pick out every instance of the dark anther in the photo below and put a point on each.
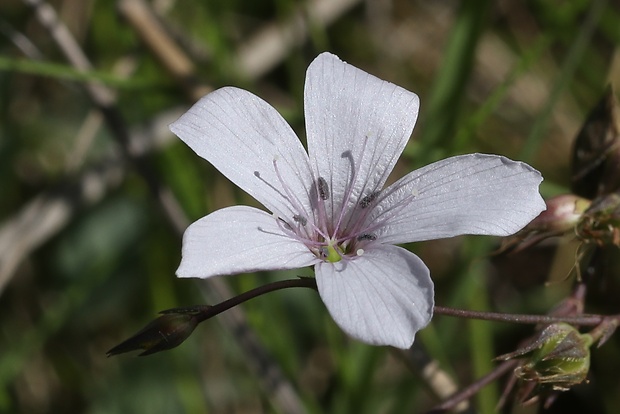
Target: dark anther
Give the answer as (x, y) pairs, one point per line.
(367, 200)
(300, 219)
(323, 188)
(284, 223)
(366, 236)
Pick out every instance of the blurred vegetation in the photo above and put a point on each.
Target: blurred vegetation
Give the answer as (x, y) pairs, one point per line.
(87, 257)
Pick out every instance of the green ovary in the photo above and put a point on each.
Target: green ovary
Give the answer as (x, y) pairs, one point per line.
(333, 253)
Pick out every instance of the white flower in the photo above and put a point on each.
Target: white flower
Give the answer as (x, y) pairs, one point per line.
(328, 205)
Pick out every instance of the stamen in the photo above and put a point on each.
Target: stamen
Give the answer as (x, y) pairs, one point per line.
(284, 226)
(291, 197)
(300, 219)
(257, 175)
(292, 233)
(382, 218)
(367, 200)
(367, 236)
(349, 191)
(359, 252)
(323, 188)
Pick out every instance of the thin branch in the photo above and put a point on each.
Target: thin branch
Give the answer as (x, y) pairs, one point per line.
(271, 44)
(50, 211)
(21, 41)
(438, 380)
(468, 392)
(139, 14)
(582, 320)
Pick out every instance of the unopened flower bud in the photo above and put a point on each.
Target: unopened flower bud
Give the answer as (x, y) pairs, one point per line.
(559, 358)
(562, 214)
(166, 332)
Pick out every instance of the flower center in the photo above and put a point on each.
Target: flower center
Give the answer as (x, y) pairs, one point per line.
(332, 252)
(332, 230)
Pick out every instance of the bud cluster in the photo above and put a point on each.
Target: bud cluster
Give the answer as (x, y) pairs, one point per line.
(559, 358)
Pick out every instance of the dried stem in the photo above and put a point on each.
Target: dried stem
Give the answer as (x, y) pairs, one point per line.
(51, 210)
(473, 388)
(140, 16)
(272, 43)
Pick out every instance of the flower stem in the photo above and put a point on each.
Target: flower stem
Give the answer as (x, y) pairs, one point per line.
(583, 320)
(307, 282)
(211, 311)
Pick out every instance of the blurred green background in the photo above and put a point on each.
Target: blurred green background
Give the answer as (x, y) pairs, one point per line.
(87, 254)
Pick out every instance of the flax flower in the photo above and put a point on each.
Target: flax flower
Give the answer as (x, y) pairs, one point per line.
(328, 207)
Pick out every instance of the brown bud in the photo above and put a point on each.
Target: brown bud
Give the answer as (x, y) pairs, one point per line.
(166, 332)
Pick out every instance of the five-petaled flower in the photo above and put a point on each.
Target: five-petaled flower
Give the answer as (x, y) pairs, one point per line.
(328, 205)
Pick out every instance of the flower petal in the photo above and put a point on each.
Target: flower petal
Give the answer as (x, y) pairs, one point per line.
(242, 135)
(382, 297)
(468, 194)
(239, 239)
(357, 126)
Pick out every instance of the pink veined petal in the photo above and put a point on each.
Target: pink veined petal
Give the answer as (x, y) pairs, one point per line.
(382, 297)
(236, 240)
(242, 135)
(357, 126)
(468, 194)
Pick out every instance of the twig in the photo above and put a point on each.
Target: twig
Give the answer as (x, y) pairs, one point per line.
(271, 44)
(439, 381)
(174, 60)
(20, 40)
(93, 122)
(473, 388)
(49, 212)
(262, 52)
